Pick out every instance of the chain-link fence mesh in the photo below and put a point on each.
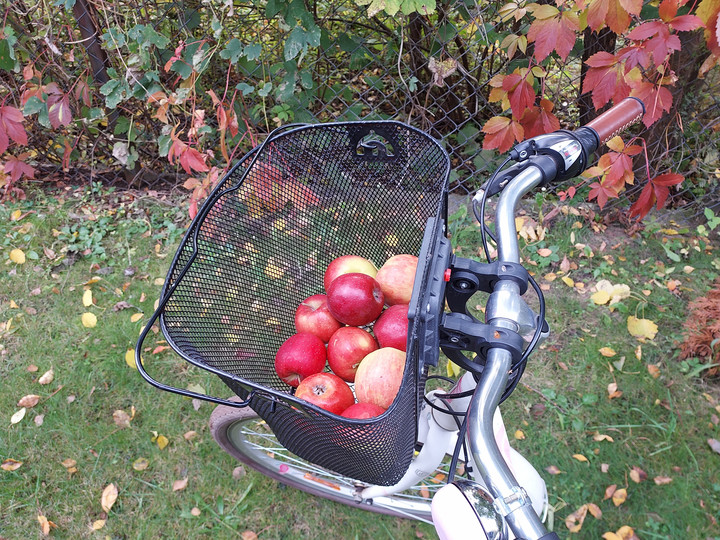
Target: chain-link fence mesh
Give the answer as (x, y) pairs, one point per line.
(431, 71)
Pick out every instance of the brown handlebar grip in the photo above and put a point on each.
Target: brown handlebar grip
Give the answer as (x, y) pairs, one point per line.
(617, 119)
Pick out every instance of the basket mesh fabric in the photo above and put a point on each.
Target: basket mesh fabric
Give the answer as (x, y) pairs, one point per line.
(260, 246)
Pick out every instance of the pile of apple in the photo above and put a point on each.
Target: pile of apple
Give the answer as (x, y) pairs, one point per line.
(351, 330)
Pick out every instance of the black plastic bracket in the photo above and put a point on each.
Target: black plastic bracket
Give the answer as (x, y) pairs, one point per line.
(468, 277)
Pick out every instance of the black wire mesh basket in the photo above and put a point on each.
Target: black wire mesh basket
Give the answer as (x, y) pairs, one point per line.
(260, 245)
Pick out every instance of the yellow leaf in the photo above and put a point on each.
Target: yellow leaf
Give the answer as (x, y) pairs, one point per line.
(88, 298)
(47, 377)
(519, 435)
(638, 352)
(580, 457)
(15, 215)
(162, 441)
(600, 298)
(611, 536)
(17, 256)
(108, 498)
(602, 437)
(653, 370)
(642, 329)
(568, 281)
(98, 524)
(550, 277)
(89, 320)
(10, 464)
(607, 352)
(44, 524)
(130, 358)
(68, 463)
(135, 317)
(625, 532)
(453, 370)
(140, 464)
(13, 305)
(179, 485)
(19, 415)
(594, 509)
(619, 497)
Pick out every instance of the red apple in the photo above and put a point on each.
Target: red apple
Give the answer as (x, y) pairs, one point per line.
(355, 299)
(348, 264)
(299, 356)
(391, 328)
(362, 411)
(314, 317)
(379, 375)
(327, 391)
(396, 278)
(346, 349)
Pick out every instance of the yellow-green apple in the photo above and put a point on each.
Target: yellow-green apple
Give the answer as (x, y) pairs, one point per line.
(313, 316)
(348, 264)
(327, 391)
(362, 411)
(379, 376)
(391, 328)
(300, 356)
(396, 278)
(346, 349)
(355, 299)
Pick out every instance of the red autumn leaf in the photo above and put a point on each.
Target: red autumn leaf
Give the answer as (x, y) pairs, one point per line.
(16, 167)
(557, 32)
(11, 127)
(192, 160)
(618, 169)
(634, 55)
(657, 99)
(658, 40)
(605, 79)
(656, 190)
(520, 91)
(540, 120)
(601, 193)
(613, 13)
(502, 133)
(59, 111)
(668, 179)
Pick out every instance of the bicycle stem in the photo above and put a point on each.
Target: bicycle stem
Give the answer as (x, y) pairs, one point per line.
(511, 500)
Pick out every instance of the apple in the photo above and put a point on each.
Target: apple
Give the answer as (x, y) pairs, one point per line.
(348, 264)
(346, 349)
(355, 299)
(327, 391)
(391, 328)
(396, 278)
(299, 356)
(379, 375)
(314, 317)
(362, 411)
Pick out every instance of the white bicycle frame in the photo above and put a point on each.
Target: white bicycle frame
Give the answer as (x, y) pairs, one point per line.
(492, 462)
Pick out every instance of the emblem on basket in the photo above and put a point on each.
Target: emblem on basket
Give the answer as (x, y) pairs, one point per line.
(375, 146)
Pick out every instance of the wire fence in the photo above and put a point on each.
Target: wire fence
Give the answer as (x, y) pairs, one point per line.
(115, 61)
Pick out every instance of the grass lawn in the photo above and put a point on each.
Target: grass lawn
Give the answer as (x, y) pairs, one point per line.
(597, 408)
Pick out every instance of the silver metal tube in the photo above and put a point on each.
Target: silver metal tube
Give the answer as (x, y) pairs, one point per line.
(505, 213)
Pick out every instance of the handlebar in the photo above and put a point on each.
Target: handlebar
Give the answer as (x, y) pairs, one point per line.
(617, 119)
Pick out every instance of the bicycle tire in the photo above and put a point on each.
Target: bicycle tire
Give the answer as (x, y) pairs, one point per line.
(245, 436)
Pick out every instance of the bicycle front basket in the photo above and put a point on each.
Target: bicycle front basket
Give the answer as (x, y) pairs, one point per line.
(260, 245)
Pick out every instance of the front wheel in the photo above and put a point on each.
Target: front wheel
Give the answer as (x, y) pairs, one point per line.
(246, 437)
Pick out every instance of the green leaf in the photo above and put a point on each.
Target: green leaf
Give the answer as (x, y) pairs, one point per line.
(253, 51)
(232, 51)
(33, 106)
(164, 142)
(295, 42)
(6, 60)
(265, 89)
(67, 4)
(245, 88)
(114, 38)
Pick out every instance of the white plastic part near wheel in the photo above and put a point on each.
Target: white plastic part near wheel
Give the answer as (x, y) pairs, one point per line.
(246, 437)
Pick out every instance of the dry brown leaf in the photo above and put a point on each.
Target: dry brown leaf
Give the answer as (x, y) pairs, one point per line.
(32, 368)
(553, 469)
(609, 491)
(47, 377)
(574, 521)
(604, 467)
(653, 370)
(190, 435)
(44, 524)
(195, 511)
(637, 475)
(662, 480)
(11, 464)
(613, 391)
(602, 437)
(544, 252)
(179, 485)
(109, 496)
(424, 491)
(238, 472)
(607, 352)
(39, 419)
(18, 416)
(594, 509)
(68, 463)
(28, 401)
(98, 524)
(619, 497)
(121, 418)
(249, 535)
(714, 445)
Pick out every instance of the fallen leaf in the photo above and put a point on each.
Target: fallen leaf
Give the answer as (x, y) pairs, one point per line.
(248, 535)
(190, 435)
(424, 491)
(130, 358)
(18, 416)
(642, 329)
(11, 464)
(550, 277)
(98, 524)
(179, 485)
(600, 297)
(568, 281)
(653, 370)
(89, 320)
(121, 305)
(714, 445)
(44, 524)
(32, 368)
(604, 467)
(544, 252)
(580, 457)
(162, 441)
(28, 401)
(594, 510)
(574, 521)
(87, 298)
(135, 317)
(565, 265)
(109, 496)
(519, 434)
(17, 256)
(619, 497)
(68, 463)
(637, 475)
(613, 392)
(238, 472)
(602, 437)
(39, 419)
(609, 491)
(553, 469)
(47, 377)
(195, 511)
(140, 464)
(121, 418)
(607, 352)
(662, 480)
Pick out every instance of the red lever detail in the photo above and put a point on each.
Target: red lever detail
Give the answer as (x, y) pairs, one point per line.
(447, 274)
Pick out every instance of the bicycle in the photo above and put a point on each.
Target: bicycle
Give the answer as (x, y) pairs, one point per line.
(310, 192)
